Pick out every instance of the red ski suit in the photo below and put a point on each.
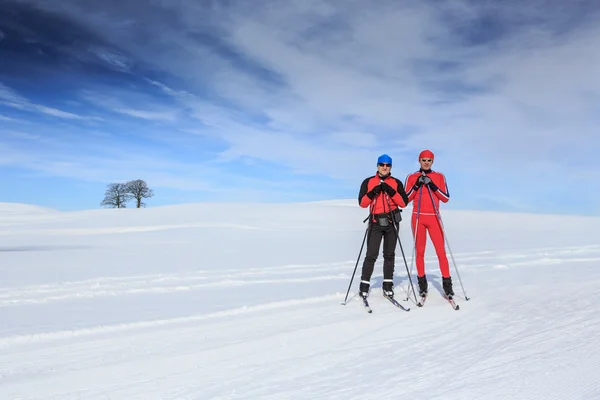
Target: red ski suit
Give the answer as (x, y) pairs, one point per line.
(424, 211)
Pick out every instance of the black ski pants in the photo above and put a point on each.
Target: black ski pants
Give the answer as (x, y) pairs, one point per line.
(376, 234)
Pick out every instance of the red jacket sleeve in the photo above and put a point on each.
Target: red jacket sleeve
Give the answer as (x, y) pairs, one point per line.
(410, 186)
(442, 192)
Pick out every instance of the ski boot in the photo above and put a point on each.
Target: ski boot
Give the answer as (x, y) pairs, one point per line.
(422, 285)
(364, 289)
(447, 285)
(388, 289)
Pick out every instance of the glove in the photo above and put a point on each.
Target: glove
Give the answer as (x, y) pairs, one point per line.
(417, 186)
(374, 192)
(388, 189)
(424, 180)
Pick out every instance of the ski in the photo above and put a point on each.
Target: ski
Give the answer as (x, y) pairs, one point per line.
(366, 304)
(450, 300)
(452, 303)
(394, 302)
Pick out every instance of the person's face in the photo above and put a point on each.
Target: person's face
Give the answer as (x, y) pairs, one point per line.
(426, 163)
(384, 168)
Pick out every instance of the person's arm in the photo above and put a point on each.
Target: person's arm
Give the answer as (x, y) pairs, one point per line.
(366, 196)
(440, 191)
(412, 186)
(400, 198)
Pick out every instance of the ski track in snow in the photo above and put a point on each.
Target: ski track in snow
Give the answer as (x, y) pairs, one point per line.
(201, 280)
(239, 340)
(327, 366)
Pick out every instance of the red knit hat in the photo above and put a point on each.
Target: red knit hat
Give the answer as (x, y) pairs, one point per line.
(426, 154)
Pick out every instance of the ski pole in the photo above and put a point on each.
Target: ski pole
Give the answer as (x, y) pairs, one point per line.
(439, 218)
(401, 248)
(415, 237)
(358, 259)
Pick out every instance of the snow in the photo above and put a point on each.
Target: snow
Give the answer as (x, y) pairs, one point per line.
(243, 301)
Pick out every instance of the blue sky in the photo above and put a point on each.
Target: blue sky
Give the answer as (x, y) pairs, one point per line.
(294, 101)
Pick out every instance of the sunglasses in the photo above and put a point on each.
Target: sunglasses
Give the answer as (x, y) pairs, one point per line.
(384, 165)
(426, 159)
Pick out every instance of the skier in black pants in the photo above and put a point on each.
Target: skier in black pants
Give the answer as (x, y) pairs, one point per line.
(385, 196)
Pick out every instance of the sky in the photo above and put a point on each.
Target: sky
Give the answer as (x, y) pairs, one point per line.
(294, 101)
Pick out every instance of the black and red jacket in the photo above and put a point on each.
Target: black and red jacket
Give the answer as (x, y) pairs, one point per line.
(379, 204)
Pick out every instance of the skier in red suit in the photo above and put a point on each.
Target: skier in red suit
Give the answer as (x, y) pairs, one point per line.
(422, 186)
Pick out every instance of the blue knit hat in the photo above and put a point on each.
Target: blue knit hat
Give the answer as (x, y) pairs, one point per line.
(384, 158)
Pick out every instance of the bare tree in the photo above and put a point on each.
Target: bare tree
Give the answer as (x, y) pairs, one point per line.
(139, 190)
(116, 195)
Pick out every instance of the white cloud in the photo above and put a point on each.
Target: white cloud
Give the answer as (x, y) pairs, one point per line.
(14, 100)
(157, 116)
(354, 139)
(112, 59)
(170, 91)
(57, 113)
(364, 73)
(527, 93)
(113, 104)
(21, 135)
(115, 163)
(10, 96)
(301, 154)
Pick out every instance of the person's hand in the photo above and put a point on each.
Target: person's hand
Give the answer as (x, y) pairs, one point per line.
(388, 189)
(374, 192)
(424, 180)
